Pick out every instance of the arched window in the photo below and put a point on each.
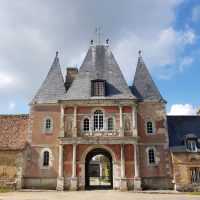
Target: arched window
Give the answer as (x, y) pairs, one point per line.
(149, 127)
(46, 159)
(98, 120)
(110, 124)
(151, 156)
(48, 125)
(86, 124)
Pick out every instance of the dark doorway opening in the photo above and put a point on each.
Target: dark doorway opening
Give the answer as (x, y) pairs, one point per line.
(98, 170)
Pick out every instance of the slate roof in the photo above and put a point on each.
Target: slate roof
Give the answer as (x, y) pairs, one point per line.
(52, 89)
(13, 132)
(179, 127)
(99, 63)
(143, 85)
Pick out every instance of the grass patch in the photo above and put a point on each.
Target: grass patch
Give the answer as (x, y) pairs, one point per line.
(194, 193)
(4, 190)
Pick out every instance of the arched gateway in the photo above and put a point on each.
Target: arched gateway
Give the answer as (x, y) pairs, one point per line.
(98, 169)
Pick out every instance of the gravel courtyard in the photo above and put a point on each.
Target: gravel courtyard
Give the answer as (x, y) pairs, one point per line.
(92, 195)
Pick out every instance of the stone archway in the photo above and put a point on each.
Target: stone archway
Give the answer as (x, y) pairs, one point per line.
(98, 169)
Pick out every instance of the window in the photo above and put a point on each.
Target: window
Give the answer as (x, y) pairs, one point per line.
(46, 159)
(48, 125)
(191, 145)
(151, 156)
(149, 127)
(195, 174)
(98, 120)
(98, 88)
(110, 124)
(86, 124)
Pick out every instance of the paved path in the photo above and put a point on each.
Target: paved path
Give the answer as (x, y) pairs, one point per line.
(92, 195)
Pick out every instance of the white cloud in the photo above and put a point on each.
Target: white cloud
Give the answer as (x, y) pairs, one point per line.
(182, 109)
(159, 51)
(28, 43)
(11, 105)
(6, 80)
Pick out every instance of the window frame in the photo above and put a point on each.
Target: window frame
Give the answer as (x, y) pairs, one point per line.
(98, 88)
(45, 129)
(195, 179)
(155, 163)
(193, 145)
(152, 127)
(83, 124)
(113, 124)
(98, 121)
(41, 160)
(46, 159)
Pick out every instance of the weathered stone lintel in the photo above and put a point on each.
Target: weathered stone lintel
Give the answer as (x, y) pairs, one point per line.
(99, 140)
(100, 102)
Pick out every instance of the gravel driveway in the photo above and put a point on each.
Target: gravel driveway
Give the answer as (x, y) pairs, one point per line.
(92, 195)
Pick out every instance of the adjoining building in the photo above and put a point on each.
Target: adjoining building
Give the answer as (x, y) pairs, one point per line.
(13, 149)
(94, 112)
(184, 141)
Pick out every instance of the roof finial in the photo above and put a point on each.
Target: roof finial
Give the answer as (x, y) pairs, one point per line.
(140, 53)
(91, 42)
(56, 54)
(107, 41)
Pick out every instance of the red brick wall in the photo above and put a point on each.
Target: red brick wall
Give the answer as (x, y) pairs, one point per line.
(81, 149)
(38, 116)
(40, 140)
(159, 140)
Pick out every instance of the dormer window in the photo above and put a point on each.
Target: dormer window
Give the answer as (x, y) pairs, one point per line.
(191, 145)
(98, 87)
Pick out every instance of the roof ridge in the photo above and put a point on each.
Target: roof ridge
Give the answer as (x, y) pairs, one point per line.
(183, 115)
(14, 115)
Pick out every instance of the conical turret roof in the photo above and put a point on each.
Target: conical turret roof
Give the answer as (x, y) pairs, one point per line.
(52, 89)
(143, 84)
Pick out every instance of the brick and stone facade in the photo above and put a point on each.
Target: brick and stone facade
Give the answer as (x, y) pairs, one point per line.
(68, 124)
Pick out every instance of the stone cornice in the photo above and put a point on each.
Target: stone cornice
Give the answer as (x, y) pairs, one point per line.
(100, 102)
(99, 140)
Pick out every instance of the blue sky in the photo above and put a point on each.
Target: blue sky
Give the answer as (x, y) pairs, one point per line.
(167, 32)
(184, 86)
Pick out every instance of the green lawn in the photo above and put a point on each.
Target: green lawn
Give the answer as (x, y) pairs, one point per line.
(3, 190)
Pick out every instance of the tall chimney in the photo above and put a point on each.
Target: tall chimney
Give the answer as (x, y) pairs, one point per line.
(71, 73)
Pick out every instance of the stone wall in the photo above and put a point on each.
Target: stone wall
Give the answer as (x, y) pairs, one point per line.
(12, 168)
(182, 162)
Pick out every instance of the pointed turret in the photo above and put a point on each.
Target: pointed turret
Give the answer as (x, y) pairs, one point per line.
(143, 84)
(52, 89)
(99, 64)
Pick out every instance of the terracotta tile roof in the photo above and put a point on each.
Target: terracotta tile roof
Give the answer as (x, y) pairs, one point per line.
(13, 131)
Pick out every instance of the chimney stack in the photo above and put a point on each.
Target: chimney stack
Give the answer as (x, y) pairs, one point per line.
(71, 73)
